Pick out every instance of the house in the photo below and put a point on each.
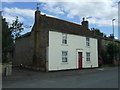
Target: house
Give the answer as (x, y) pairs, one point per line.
(55, 44)
(102, 49)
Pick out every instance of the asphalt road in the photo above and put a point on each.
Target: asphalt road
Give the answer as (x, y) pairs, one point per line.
(99, 79)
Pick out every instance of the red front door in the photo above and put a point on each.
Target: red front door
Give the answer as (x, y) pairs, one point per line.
(79, 59)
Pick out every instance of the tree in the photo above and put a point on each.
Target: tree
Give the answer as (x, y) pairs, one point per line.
(112, 51)
(16, 28)
(111, 36)
(7, 41)
(9, 34)
(98, 32)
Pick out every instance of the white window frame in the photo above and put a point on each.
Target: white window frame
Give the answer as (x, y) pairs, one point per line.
(64, 56)
(87, 41)
(88, 56)
(64, 38)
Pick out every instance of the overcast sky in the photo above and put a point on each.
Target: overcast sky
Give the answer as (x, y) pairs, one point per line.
(99, 13)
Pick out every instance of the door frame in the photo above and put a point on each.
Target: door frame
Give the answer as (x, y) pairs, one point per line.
(79, 50)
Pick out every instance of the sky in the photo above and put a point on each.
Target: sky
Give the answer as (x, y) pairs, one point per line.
(99, 13)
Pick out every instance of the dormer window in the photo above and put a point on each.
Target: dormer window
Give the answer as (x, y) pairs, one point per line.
(64, 38)
(87, 41)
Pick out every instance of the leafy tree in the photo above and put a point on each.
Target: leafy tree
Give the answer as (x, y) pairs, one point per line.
(111, 36)
(112, 51)
(16, 28)
(7, 41)
(119, 52)
(98, 32)
(9, 34)
(104, 35)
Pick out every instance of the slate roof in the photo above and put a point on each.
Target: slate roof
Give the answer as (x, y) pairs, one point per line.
(55, 24)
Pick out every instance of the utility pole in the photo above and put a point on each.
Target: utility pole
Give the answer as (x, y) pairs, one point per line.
(113, 39)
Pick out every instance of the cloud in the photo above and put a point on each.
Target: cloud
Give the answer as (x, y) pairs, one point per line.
(49, 15)
(17, 11)
(11, 13)
(23, 14)
(116, 37)
(57, 0)
(102, 22)
(77, 1)
(10, 18)
(19, 1)
(101, 12)
(53, 8)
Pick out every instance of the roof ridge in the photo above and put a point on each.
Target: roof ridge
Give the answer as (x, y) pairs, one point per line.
(62, 20)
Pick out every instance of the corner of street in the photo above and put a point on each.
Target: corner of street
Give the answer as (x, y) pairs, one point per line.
(83, 78)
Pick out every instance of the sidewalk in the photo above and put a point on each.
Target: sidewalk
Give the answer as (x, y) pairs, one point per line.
(24, 74)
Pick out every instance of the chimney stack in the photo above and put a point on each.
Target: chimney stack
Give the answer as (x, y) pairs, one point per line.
(85, 23)
(37, 15)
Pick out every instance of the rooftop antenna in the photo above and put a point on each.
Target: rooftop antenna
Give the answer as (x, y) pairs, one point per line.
(39, 4)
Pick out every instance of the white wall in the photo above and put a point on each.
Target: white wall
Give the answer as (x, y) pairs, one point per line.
(75, 43)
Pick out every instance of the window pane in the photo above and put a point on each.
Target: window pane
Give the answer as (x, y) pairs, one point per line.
(87, 56)
(64, 59)
(64, 53)
(65, 41)
(64, 38)
(87, 41)
(64, 56)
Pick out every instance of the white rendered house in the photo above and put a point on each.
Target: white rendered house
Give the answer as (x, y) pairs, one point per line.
(55, 44)
(68, 51)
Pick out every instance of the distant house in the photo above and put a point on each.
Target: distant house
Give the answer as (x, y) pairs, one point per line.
(55, 44)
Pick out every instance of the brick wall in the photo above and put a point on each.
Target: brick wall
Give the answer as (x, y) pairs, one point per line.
(23, 53)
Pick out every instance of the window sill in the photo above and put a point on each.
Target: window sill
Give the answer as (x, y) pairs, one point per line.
(64, 63)
(88, 61)
(64, 44)
(88, 46)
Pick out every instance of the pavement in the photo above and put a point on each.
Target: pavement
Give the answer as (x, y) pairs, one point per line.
(36, 78)
(22, 73)
(0, 69)
(0, 81)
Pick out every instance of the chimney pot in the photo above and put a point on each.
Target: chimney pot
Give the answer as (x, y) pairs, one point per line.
(38, 8)
(83, 18)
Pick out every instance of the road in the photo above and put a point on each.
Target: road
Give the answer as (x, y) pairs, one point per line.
(99, 79)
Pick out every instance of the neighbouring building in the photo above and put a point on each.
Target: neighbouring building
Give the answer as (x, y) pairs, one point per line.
(55, 44)
(102, 51)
